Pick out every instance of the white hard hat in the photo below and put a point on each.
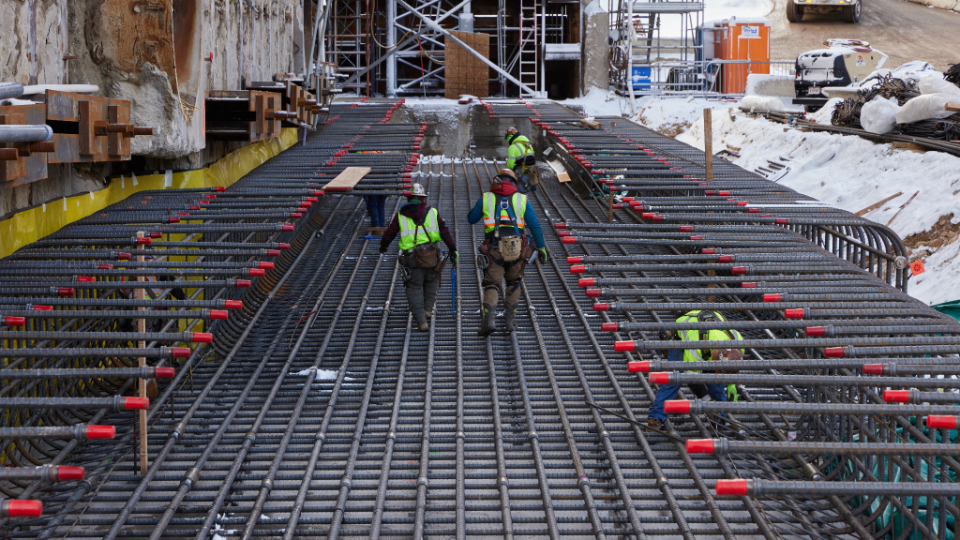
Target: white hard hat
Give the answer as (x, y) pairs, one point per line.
(417, 191)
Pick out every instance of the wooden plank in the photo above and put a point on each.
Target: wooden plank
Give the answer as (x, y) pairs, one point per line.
(563, 177)
(347, 179)
(876, 205)
(955, 107)
(908, 146)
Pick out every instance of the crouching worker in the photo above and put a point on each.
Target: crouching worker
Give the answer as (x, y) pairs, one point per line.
(506, 248)
(715, 392)
(421, 229)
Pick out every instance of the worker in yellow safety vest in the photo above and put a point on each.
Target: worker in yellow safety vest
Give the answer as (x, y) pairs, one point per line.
(521, 159)
(506, 248)
(421, 229)
(716, 392)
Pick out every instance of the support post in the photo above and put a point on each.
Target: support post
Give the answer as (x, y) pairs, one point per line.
(391, 44)
(142, 362)
(708, 143)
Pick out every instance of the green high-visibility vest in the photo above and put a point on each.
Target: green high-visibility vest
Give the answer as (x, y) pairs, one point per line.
(412, 236)
(694, 355)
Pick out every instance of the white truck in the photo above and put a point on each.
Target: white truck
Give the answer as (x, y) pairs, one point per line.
(849, 9)
(844, 62)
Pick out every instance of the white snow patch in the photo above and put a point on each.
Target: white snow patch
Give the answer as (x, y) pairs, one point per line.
(599, 102)
(593, 8)
(322, 374)
(675, 115)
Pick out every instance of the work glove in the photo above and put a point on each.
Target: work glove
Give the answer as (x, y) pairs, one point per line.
(732, 393)
(383, 248)
(455, 257)
(544, 256)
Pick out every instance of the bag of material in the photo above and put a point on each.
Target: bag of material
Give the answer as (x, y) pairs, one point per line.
(925, 107)
(935, 84)
(511, 247)
(879, 115)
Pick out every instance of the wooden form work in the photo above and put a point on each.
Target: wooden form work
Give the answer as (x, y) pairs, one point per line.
(464, 73)
(244, 115)
(346, 180)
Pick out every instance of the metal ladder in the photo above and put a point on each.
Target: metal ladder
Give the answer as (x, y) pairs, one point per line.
(529, 56)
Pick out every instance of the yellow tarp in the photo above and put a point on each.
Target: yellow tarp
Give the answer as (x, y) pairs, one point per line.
(31, 225)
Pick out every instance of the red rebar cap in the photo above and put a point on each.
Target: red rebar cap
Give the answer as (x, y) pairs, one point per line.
(143, 241)
(563, 234)
(218, 315)
(266, 265)
(676, 406)
(243, 283)
(873, 369)
(725, 259)
(194, 207)
(136, 403)
(203, 203)
(753, 210)
(602, 306)
(794, 313)
(700, 446)
(686, 228)
(318, 192)
(164, 372)
(638, 367)
(625, 346)
(586, 282)
(219, 188)
(593, 293)
(101, 432)
(156, 234)
(233, 304)
(65, 473)
(66, 291)
(738, 270)
(573, 260)
(814, 331)
(781, 221)
(312, 199)
(183, 214)
(209, 196)
(617, 206)
(833, 352)
(181, 352)
(14, 321)
(578, 269)
(646, 215)
(660, 377)
(742, 203)
(42, 308)
(273, 253)
(124, 256)
(696, 238)
(941, 422)
(283, 246)
(256, 272)
(173, 219)
(896, 396)
(16, 508)
(771, 297)
(287, 227)
(86, 279)
(732, 487)
(708, 251)
(201, 337)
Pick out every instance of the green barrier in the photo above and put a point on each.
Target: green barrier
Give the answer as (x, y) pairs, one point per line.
(949, 308)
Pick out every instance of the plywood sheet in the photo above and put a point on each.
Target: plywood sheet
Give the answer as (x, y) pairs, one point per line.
(346, 180)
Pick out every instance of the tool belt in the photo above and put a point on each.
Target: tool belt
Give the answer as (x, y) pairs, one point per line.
(522, 250)
(422, 256)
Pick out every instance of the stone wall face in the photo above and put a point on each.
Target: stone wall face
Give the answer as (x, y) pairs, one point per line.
(161, 55)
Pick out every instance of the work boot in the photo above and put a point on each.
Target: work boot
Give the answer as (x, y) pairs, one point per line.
(423, 327)
(428, 313)
(489, 323)
(510, 314)
(655, 424)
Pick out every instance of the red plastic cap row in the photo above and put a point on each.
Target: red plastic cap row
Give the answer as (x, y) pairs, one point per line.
(124, 256)
(578, 269)
(873, 369)
(814, 331)
(14, 321)
(181, 352)
(65, 473)
(560, 225)
(219, 188)
(273, 253)
(660, 377)
(136, 403)
(283, 246)
(164, 372)
(732, 487)
(833, 352)
(233, 304)
(638, 367)
(610, 327)
(941, 422)
(896, 396)
(218, 315)
(156, 234)
(771, 298)
(794, 313)
(586, 282)
(15, 508)
(601, 306)
(143, 241)
(563, 234)
(256, 272)
(86, 279)
(66, 291)
(243, 283)
(700, 446)
(594, 293)
(287, 227)
(574, 260)
(676, 406)
(266, 265)
(100, 432)
(570, 240)
(625, 346)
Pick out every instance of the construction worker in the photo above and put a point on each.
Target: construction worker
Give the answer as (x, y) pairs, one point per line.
(421, 228)
(522, 161)
(716, 392)
(506, 249)
(375, 207)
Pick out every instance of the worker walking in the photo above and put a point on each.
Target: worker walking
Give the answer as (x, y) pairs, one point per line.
(716, 392)
(376, 208)
(522, 160)
(421, 228)
(506, 248)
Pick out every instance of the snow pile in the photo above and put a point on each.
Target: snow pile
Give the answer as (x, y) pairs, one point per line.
(924, 107)
(853, 174)
(761, 103)
(825, 114)
(673, 116)
(599, 102)
(879, 116)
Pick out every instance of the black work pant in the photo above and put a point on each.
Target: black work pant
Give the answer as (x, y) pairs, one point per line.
(422, 290)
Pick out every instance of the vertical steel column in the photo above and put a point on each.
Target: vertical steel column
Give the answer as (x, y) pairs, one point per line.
(391, 43)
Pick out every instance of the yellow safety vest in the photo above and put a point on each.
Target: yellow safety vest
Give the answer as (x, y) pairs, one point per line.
(519, 203)
(412, 236)
(693, 355)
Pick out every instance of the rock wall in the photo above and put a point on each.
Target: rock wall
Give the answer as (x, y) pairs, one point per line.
(596, 50)
(162, 55)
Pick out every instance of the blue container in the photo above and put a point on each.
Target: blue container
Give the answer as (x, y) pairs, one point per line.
(641, 77)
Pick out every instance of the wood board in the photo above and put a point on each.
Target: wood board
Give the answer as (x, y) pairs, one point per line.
(346, 180)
